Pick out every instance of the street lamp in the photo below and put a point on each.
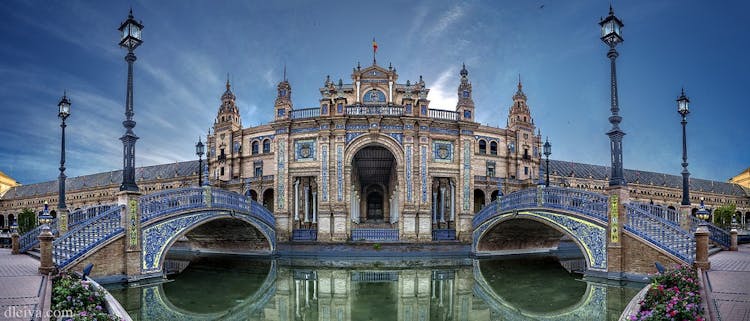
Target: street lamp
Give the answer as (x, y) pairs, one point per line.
(14, 227)
(682, 108)
(611, 27)
(63, 113)
(131, 39)
(45, 218)
(547, 152)
(199, 150)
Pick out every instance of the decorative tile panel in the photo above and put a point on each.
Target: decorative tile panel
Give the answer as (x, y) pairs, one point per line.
(357, 127)
(423, 171)
(442, 151)
(340, 173)
(324, 171)
(399, 137)
(304, 130)
(444, 131)
(304, 150)
(408, 174)
(351, 136)
(281, 154)
(467, 174)
(392, 127)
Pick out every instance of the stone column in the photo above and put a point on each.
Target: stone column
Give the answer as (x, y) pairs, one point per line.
(733, 240)
(442, 204)
(46, 265)
(14, 244)
(130, 218)
(701, 248)
(617, 216)
(685, 217)
(307, 204)
(315, 207)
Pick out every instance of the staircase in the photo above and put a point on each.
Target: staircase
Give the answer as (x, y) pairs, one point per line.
(87, 235)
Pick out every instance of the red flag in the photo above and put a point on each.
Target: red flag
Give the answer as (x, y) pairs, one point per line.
(374, 45)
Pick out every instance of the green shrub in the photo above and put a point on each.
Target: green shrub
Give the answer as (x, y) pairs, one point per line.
(26, 221)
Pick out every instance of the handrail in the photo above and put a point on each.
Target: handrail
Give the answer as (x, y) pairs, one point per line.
(718, 235)
(170, 201)
(30, 239)
(668, 214)
(578, 201)
(80, 215)
(660, 232)
(87, 235)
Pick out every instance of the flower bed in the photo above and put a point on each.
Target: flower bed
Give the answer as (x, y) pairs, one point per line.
(86, 302)
(673, 295)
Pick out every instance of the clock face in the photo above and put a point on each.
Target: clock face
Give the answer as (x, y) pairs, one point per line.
(466, 94)
(282, 93)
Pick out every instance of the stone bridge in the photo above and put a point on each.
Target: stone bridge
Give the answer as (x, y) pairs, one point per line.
(614, 236)
(132, 238)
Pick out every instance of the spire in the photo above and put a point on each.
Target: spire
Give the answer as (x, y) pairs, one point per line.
(464, 73)
(519, 93)
(611, 12)
(284, 79)
(228, 95)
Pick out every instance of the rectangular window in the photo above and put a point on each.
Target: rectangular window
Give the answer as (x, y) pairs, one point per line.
(222, 171)
(490, 169)
(258, 171)
(526, 170)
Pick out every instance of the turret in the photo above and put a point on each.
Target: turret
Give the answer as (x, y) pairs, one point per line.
(283, 104)
(465, 105)
(228, 116)
(519, 115)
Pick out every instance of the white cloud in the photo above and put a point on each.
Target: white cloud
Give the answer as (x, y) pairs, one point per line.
(443, 94)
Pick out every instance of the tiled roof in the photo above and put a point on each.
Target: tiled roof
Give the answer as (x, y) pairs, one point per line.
(567, 169)
(72, 184)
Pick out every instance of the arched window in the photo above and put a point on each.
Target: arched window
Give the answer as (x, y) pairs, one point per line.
(482, 147)
(255, 147)
(493, 148)
(266, 146)
(374, 96)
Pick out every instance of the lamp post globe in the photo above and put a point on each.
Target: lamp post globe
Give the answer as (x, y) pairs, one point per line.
(547, 152)
(200, 150)
(702, 214)
(45, 218)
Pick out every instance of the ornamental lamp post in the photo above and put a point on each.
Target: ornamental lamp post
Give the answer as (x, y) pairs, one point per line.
(547, 152)
(683, 109)
(45, 218)
(14, 227)
(63, 113)
(611, 27)
(130, 39)
(702, 214)
(199, 150)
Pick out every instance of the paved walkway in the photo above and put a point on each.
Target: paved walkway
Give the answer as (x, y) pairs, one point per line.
(21, 285)
(729, 284)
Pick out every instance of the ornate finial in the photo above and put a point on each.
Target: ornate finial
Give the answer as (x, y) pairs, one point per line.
(420, 79)
(341, 83)
(611, 12)
(390, 66)
(408, 83)
(519, 82)
(130, 14)
(464, 72)
(228, 85)
(358, 66)
(284, 71)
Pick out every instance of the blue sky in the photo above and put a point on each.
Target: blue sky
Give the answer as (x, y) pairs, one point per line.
(190, 46)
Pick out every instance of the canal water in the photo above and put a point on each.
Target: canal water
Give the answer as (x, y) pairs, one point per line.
(510, 288)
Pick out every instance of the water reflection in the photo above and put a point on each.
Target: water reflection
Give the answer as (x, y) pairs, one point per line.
(534, 288)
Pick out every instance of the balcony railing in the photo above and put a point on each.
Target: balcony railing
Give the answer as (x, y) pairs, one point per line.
(305, 113)
(374, 234)
(374, 110)
(442, 114)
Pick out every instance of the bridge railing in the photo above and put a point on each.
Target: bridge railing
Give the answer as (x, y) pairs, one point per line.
(579, 201)
(170, 201)
(80, 215)
(29, 240)
(718, 235)
(87, 235)
(668, 214)
(575, 200)
(660, 232)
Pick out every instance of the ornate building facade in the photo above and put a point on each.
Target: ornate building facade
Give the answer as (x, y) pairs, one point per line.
(373, 161)
(372, 158)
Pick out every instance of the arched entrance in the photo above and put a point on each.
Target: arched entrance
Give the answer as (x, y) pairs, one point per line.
(478, 200)
(493, 196)
(268, 199)
(374, 185)
(252, 194)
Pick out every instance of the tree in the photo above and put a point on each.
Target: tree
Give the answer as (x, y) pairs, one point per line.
(26, 221)
(723, 215)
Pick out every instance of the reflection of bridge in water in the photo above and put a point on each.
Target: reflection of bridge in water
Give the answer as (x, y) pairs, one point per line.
(463, 293)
